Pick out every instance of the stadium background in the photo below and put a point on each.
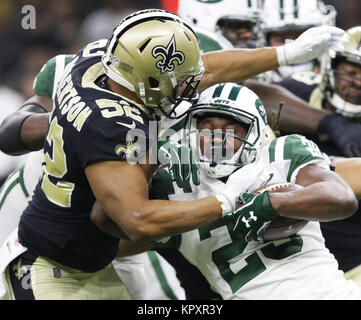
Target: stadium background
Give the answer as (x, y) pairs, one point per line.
(64, 26)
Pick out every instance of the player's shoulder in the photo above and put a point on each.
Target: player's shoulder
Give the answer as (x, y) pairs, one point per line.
(288, 154)
(292, 147)
(50, 74)
(302, 84)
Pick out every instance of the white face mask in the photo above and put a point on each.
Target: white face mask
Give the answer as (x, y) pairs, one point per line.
(343, 107)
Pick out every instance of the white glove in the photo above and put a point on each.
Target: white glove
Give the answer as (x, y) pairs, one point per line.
(312, 44)
(242, 180)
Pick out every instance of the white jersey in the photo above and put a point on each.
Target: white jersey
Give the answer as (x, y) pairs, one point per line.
(299, 267)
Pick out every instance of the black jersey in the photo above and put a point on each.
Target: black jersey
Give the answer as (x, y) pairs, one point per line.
(88, 124)
(343, 237)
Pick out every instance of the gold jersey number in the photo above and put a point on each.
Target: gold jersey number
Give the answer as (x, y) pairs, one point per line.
(54, 165)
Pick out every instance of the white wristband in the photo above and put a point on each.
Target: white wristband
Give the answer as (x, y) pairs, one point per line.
(281, 55)
(226, 204)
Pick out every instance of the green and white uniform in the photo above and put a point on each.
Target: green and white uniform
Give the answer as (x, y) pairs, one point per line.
(299, 267)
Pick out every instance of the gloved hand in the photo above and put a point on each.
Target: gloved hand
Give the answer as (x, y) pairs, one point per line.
(312, 44)
(181, 163)
(252, 218)
(345, 133)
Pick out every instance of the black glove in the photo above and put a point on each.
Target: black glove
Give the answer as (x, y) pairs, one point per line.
(345, 133)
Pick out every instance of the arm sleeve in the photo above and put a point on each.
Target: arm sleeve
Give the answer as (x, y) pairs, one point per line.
(106, 140)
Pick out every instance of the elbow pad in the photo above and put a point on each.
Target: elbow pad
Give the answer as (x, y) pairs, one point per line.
(10, 130)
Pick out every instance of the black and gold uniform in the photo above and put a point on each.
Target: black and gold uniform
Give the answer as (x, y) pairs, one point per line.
(89, 123)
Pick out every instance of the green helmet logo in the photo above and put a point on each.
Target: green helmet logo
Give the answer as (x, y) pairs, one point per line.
(168, 54)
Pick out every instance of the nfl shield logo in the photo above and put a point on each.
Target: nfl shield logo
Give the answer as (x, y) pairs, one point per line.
(57, 273)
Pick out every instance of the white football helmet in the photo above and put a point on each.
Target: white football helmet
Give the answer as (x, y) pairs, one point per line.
(352, 54)
(225, 15)
(156, 54)
(294, 16)
(233, 101)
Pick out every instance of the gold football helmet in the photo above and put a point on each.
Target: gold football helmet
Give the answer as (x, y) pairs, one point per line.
(155, 54)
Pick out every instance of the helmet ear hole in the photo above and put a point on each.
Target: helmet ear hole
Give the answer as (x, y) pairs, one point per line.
(154, 83)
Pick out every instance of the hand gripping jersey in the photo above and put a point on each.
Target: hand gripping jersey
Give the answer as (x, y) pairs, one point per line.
(299, 267)
(88, 124)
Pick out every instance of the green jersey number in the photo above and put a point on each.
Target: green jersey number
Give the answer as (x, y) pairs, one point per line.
(54, 165)
(253, 265)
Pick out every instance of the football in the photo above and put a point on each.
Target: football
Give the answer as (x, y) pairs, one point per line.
(281, 227)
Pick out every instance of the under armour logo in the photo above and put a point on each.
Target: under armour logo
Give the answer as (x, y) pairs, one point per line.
(246, 221)
(169, 54)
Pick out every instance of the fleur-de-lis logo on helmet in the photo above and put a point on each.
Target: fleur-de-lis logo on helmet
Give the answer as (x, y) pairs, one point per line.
(169, 54)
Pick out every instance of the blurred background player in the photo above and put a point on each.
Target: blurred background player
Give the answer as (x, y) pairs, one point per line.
(284, 20)
(237, 21)
(338, 88)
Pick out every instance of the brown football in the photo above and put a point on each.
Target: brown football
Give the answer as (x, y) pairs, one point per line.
(281, 227)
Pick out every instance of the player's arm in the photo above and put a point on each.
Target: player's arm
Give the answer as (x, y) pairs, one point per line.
(295, 116)
(325, 197)
(25, 129)
(121, 189)
(350, 170)
(237, 65)
(129, 248)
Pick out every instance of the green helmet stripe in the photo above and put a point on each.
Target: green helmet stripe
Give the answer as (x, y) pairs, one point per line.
(295, 9)
(282, 14)
(218, 91)
(234, 93)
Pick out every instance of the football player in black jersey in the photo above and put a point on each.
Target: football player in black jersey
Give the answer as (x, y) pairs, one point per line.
(110, 88)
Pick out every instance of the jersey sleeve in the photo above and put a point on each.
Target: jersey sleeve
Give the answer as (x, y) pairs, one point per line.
(49, 75)
(293, 152)
(107, 139)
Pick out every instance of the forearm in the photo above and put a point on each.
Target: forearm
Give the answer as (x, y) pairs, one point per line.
(295, 116)
(350, 170)
(321, 201)
(25, 129)
(33, 131)
(165, 218)
(236, 65)
(152, 220)
(155, 219)
(129, 248)
(128, 205)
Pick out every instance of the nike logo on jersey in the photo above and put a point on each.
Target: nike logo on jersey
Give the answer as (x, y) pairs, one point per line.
(130, 126)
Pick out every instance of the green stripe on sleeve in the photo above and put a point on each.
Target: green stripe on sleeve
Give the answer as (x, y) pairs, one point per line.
(272, 150)
(16, 177)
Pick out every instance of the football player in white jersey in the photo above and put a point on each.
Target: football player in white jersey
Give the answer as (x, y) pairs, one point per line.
(229, 118)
